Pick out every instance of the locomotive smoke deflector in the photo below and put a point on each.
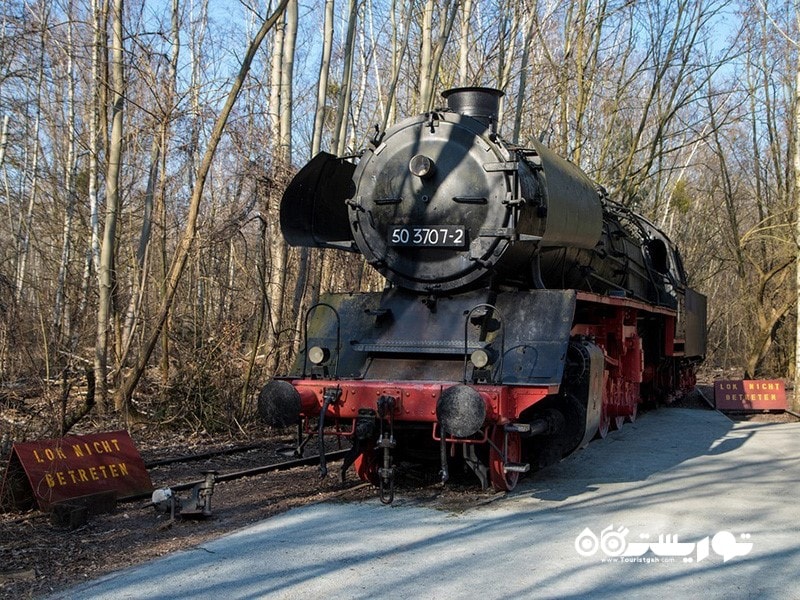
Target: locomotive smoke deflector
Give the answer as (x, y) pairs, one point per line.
(313, 210)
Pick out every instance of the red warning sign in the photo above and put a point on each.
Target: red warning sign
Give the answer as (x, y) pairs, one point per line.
(74, 466)
(750, 394)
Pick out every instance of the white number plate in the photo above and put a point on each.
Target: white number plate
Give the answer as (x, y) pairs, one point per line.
(438, 236)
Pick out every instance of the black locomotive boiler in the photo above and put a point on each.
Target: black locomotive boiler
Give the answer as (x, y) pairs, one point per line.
(524, 313)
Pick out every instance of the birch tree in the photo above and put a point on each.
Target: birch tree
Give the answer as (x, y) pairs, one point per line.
(106, 273)
(322, 86)
(70, 169)
(343, 103)
(95, 106)
(464, 46)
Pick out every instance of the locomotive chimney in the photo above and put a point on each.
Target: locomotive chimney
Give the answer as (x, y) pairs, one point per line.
(482, 104)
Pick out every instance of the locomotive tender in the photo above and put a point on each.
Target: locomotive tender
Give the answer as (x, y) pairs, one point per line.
(525, 312)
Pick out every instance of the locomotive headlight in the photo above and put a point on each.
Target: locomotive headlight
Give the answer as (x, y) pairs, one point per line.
(318, 355)
(421, 166)
(480, 358)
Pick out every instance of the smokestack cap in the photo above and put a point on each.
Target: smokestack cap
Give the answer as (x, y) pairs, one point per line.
(480, 103)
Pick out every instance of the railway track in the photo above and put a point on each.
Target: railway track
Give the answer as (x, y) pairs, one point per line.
(230, 475)
(160, 462)
(234, 474)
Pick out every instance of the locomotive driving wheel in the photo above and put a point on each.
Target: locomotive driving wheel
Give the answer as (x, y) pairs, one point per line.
(502, 480)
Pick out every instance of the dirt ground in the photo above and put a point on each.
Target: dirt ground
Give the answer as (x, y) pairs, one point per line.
(38, 558)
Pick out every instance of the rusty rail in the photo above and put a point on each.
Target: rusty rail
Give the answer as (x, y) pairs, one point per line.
(281, 466)
(202, 456)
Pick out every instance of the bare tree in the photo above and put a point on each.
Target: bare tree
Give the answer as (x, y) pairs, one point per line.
(522, 88)
(433, 50)
(463, 54)
(324, 72)
(796, 206)
(26, 223)
(70, 173)
(343, 104)
(160, 136)
(125, 391)
(95, 108)
(401, 28)
(106, 273)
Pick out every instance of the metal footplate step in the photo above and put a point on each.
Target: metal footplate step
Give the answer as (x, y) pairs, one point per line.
(511, 467)
(517, 427)
(538, 427)
(521, 428)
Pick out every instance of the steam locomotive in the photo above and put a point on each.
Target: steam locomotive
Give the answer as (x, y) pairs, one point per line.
(525, 312)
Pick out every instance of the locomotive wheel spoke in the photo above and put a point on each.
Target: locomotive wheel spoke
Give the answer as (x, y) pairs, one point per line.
(501, 480)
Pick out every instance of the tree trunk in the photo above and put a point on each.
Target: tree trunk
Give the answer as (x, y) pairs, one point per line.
(196, 46)
(262, 314)
(322, 86)
(60, 310)
(523, 78)
(463, 51)
(157, 151)
(431, 56)
(287, 72)
(425, 54)
(343, 106)
(92, 260)
(397, 60)
(140, 271)
(282, 79)
(275, 86)
(4, 139)
(106, 274)
(24, 235)
(796, 203)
